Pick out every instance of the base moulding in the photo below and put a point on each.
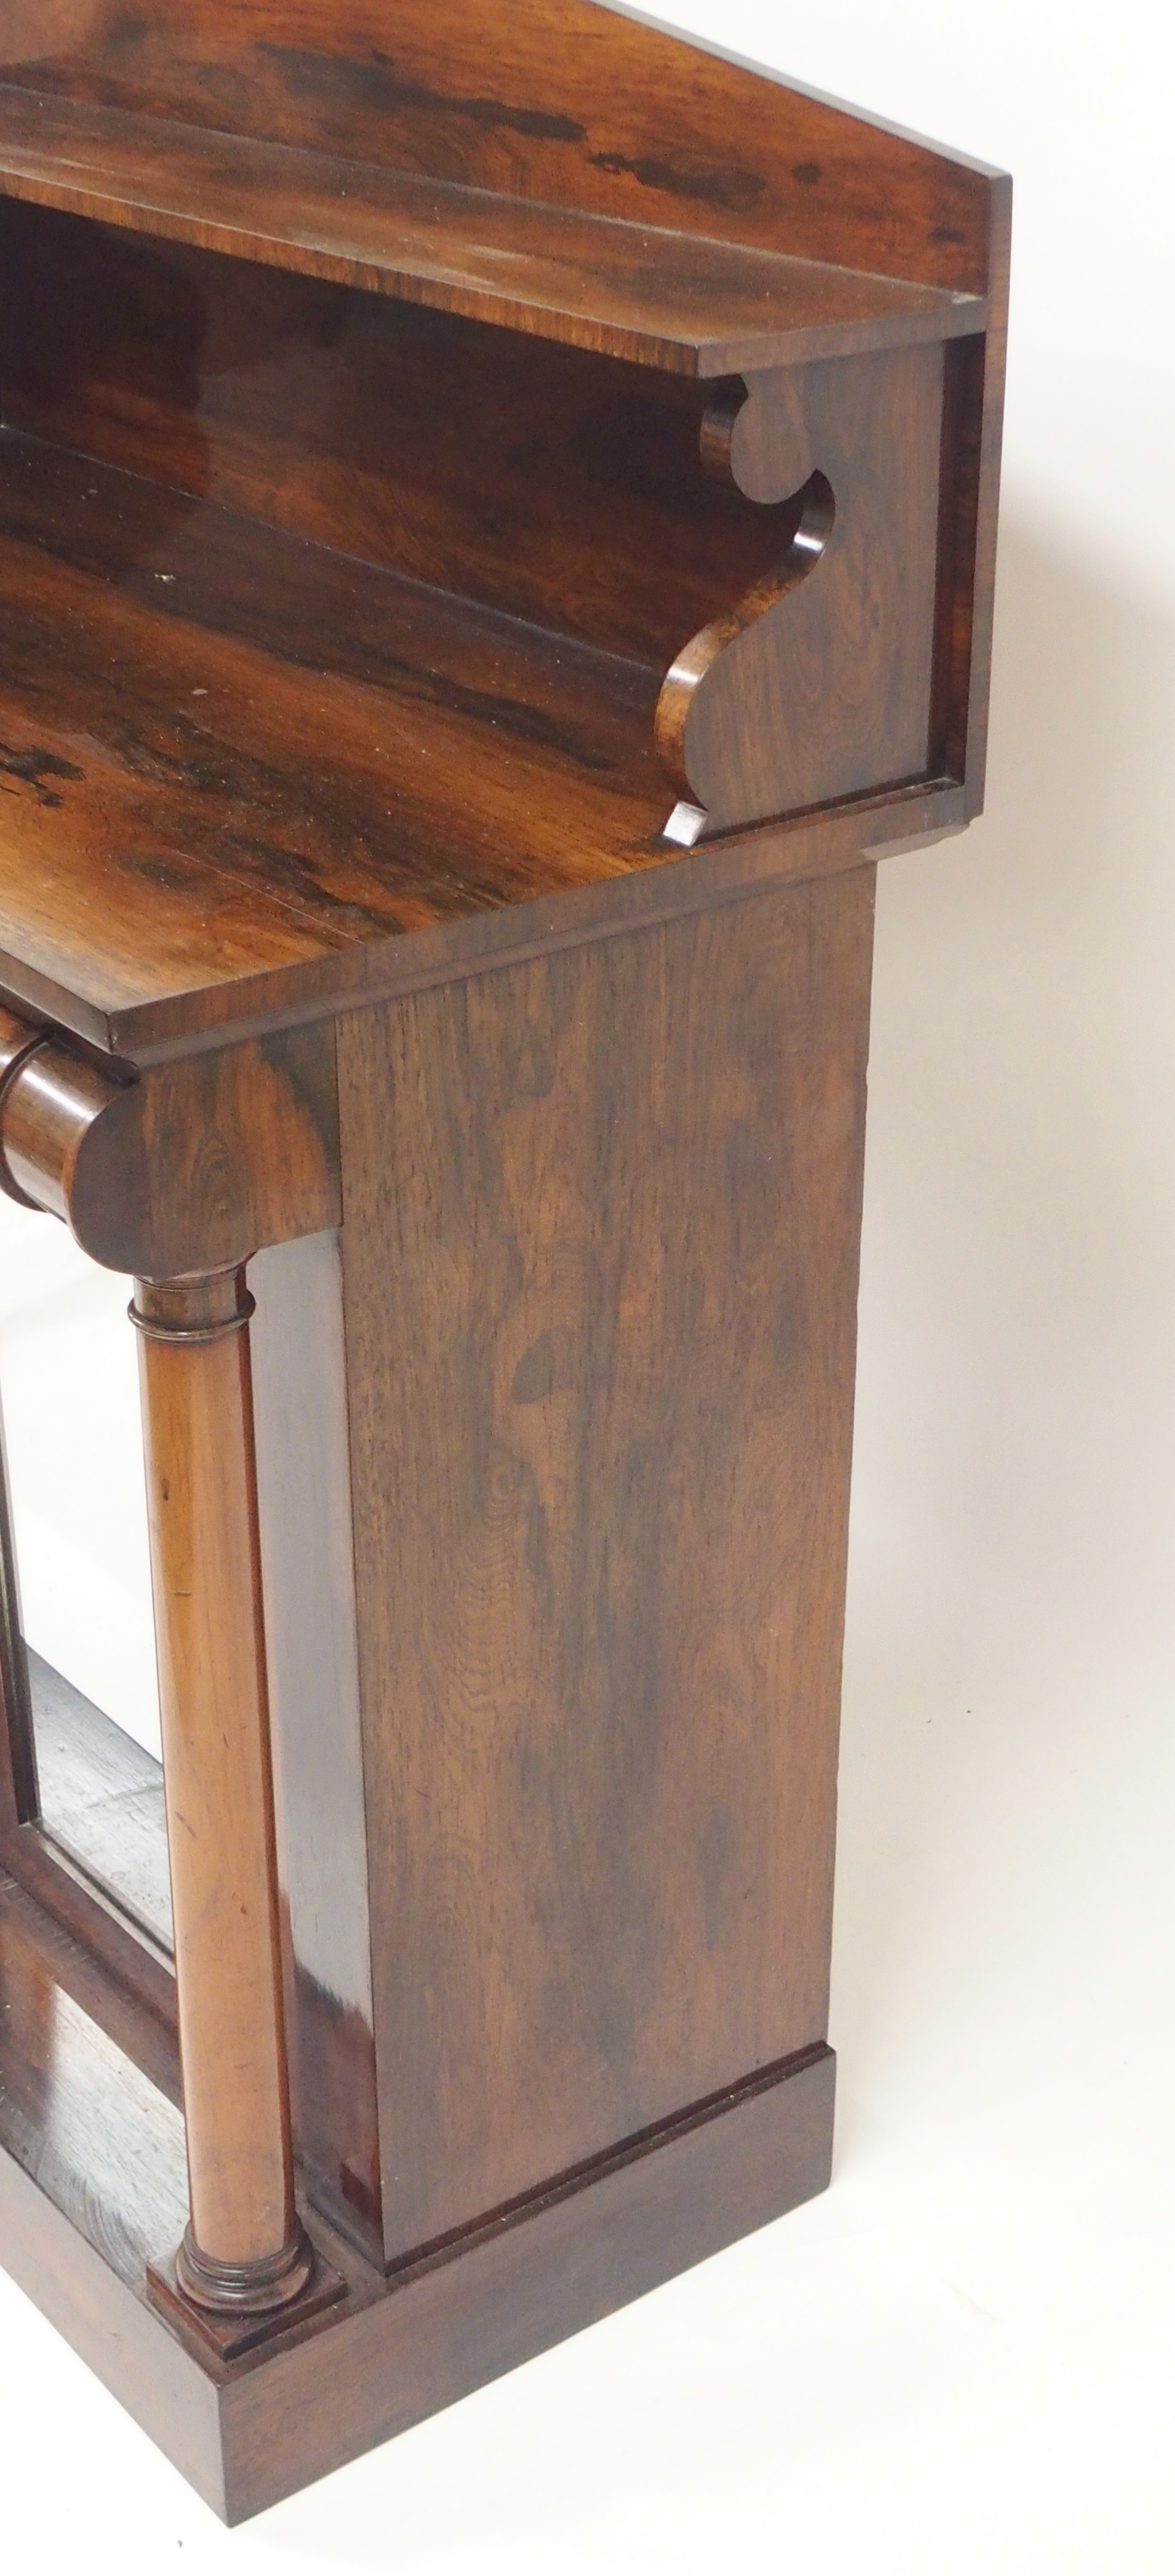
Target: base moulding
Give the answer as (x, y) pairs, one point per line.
(248, 2432)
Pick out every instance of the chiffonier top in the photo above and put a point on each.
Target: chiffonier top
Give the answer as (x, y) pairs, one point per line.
(237, 764)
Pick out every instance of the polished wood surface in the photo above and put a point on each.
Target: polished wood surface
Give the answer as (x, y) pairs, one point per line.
(556, 101)
(798, 850)
(81, 1896)
(609, 1203)
(451, 759)
(457, 763)
(101, 2139)
(590, 503)
(75, 1963)
(816, 685)
(49, 1105)
(599, 2239)
(191, 1167)
(206, 1578)
(337, 763)
(703, 309)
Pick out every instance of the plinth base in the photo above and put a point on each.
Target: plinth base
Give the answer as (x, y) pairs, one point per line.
(332, 2382)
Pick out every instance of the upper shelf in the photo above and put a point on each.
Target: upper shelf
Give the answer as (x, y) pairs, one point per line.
(689, 305)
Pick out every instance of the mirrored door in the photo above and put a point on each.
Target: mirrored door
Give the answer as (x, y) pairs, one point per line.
(80, 1651)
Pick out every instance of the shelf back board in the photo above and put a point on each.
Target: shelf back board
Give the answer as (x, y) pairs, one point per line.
(561, 102)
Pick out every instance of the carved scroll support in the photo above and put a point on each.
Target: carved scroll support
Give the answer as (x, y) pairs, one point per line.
(718, 728)
(820, 678)
(85, 1147)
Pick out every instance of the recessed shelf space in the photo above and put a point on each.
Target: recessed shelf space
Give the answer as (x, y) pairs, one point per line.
(274, 752)
(680, 302)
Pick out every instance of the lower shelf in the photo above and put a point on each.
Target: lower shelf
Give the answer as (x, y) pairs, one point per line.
(92, 2189)
(101, 1799)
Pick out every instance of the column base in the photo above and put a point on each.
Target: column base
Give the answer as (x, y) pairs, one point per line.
(244, 2289)
(232, 2308)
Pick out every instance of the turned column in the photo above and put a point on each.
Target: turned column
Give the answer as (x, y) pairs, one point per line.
(244, 2249)
(244, 2252)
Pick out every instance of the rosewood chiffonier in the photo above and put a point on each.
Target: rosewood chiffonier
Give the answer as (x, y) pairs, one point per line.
(497, 521)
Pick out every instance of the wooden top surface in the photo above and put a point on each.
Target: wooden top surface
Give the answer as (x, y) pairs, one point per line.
(234, 769)
(666, 299)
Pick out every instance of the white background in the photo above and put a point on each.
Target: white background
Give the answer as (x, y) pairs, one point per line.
(962, 2359)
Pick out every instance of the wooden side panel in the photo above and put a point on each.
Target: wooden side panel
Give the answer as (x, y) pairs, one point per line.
(600, 1262)
(987, 440)
(557, 100)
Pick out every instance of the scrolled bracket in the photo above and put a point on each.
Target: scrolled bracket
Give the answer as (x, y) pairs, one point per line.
(20, 1045)
(185, 1167)
(717, 729)
(754, 437)
(51, 1103)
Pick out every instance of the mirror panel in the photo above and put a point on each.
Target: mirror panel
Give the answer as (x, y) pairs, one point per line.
(73, 1442)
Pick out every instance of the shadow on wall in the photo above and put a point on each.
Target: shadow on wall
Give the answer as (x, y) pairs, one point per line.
(1017, 1390)
(1010, 1589)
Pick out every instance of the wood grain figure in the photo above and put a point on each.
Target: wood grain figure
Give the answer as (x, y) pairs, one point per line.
(497, 533)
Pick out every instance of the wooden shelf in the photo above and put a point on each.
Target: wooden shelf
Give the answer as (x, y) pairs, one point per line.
(225, 752)
(688, 305)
